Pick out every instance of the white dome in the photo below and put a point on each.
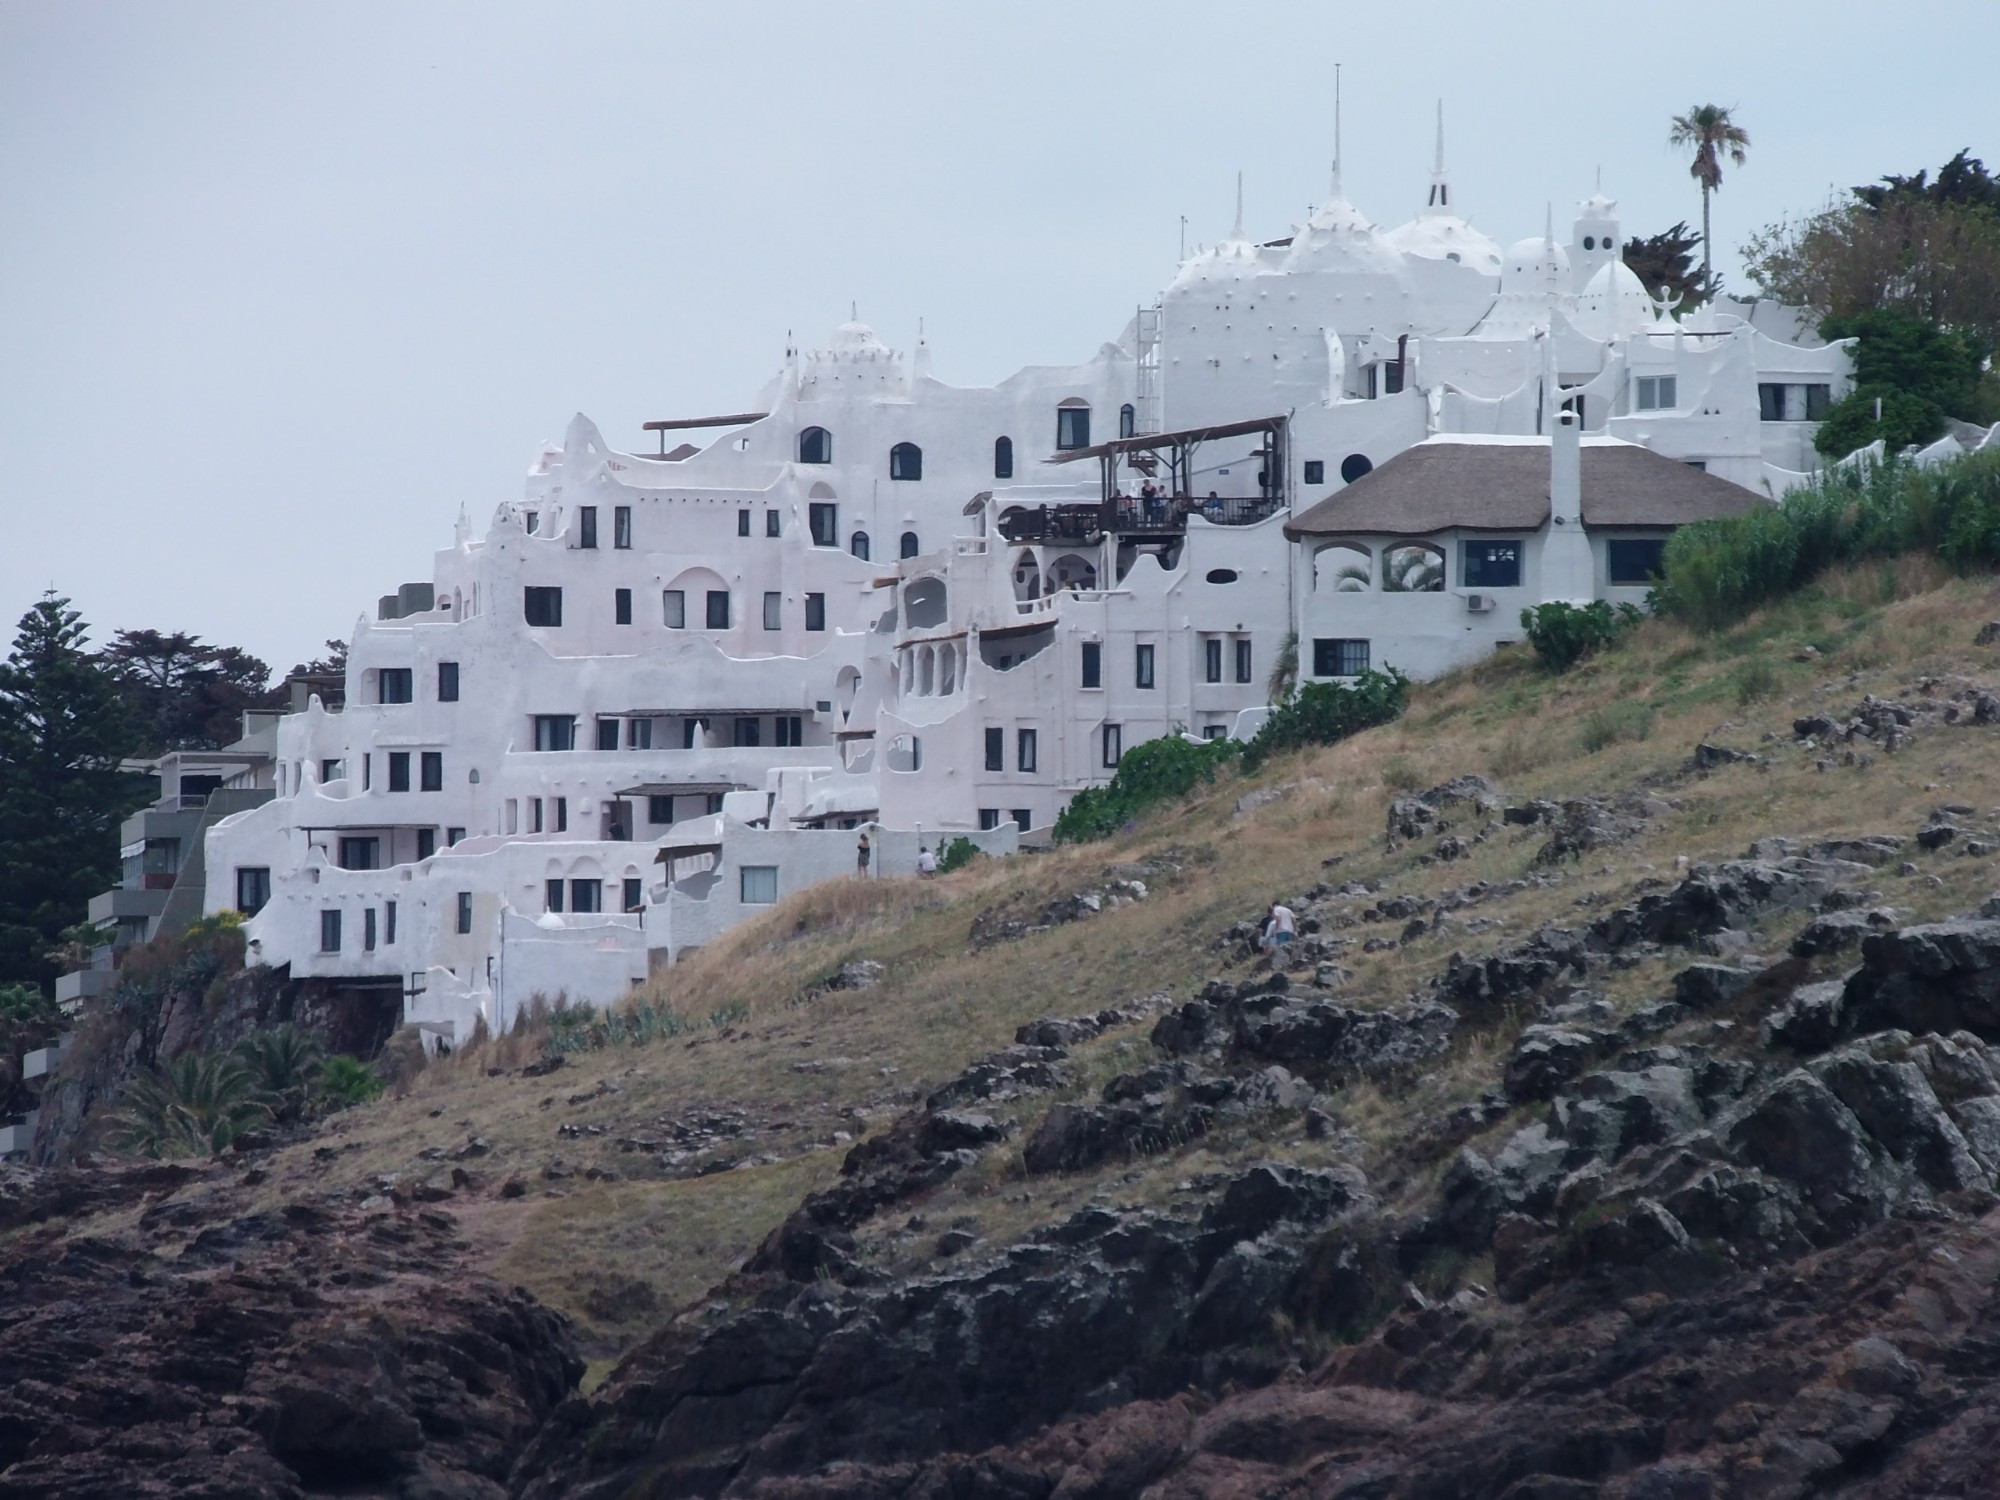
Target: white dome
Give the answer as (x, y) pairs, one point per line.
(1615, 303)
(1339, 238)
(1531, 263)
(1232, 260)
(1445, 237)
(855, 340)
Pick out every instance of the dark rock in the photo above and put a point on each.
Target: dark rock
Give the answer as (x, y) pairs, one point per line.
(1547, 955)
(1987, 634)
(1544, 1059)
(1941, 977)
(1708, 757)
(1718, 898)
(1187, 1029)
(1834, 933)
(1810, 1020)
(1710, 986)
(1632, 1236)
(1326, 1040)
(546, 1066)
(1935, 836)
(1531, 813)
(1867, 849)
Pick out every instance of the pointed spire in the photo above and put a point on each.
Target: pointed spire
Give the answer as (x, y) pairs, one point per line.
(1549, 223)
(1237, 232)
(1440, 199)
(1336, 130)
(1438, 165)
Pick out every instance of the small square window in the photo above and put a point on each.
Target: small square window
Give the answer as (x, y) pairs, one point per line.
(395, 685)
(659, 809)
(586, 895)
(464, 912)
(759, 884)
(621, 527)
(989, 819)
(1315, 471)
(1024, 818)
(447, 682)
(253, 888)
(634, 893)
(743, 523)
(747, 734)
(427, 842)
(555, 731)
(1818, 399)
(790, 729)
(674, 609)
(1491, 565)
(607, 734)
(1634, 563)
(621, 606)
(1656, 393)
(430, 771)
(824, 518)
(774, 611)
(1072, 427)
(543, 606)
(638, 734)
(453, 836)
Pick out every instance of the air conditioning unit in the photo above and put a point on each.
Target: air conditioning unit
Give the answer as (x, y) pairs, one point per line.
(1479, 604)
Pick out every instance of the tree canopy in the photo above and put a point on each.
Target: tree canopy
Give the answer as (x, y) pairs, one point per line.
(1664, 264)
(185, 694)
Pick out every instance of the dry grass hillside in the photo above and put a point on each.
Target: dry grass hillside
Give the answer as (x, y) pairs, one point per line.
(624, 1184)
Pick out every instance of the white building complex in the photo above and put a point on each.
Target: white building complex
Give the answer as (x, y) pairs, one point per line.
(664, 690)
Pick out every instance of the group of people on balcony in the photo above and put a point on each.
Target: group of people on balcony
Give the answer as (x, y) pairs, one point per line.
(1154, 507)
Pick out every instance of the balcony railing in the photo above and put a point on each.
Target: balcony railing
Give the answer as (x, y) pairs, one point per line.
(1129, 515)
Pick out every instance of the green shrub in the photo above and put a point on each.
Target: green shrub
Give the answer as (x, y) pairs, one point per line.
(1324, 713)
(1719, 571)
(198, 1104)
(1171, 766)
(1755, 679)
(346, 1081)
(1628, 719)
(1564, 634)
(956, 855)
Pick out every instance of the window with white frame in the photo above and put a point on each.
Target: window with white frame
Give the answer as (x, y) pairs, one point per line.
(759, 884)
(1655, 393)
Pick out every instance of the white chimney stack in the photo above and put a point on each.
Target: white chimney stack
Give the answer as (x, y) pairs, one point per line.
(1569, 572)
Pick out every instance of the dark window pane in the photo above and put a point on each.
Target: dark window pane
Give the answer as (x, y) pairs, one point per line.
(543, 606)
(431, 771)
(621, 606)
(815, 446)
(718, 607)
(1093, 664)
(906, 461)
(815, 611)
(824, 518)
(1003, 468)
(399, 770)
(1634, 563)
(621, 527)
(996, 749)
(1491, 565)
(586, 526)
(447, 682)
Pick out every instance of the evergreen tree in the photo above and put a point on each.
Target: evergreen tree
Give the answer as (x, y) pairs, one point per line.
(1665, 266)
(63, 732)
(184, 693)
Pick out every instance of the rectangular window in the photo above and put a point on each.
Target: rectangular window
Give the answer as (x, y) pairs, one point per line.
(691, 734)
(447, 682)
(996, 749)
(532, 522)
(634, 893)
(1211, 659)
(1818, 399)
(253, 888)
(1369, 381)
(430, 771)
(562, 815)
(329, 932)
(638, 734)
(1243, 660)
(773, 524)
(1072, 427)
(586, 527)
(542, 606)
(1023, 818)
(586, 895)
(1634, 563)
(607, 734)
(1142, 665)
(1315, 471)
(1214, 731)
(534, 815)
(1656, 393)
(427, 842)
(621, 527)
(367, 772)
(743, 523)
(1114, 744)
(1025, 749)
(1770, 402)
(1339, 658)
(815, 611)
(674, 609)
(331, 770)
(791, 729)
(747, 732)
(1490, 565)
(774, 605)
(659, 809)
(760, 884)
(388, 924)
(552, 895)
(714, 803)
(464, 911)
(1392, 377)
(394, 683)
(368, 929)
(453, 836)
(989, 819)
(825, 521)
(510, 816)
(718, 606)
(555, 731)
(1093, 664)
(621, 607)
(360, 852)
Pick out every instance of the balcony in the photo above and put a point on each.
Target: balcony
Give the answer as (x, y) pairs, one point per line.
(1130, 516)
(127, 906)
(42, 1061)
(86, 984)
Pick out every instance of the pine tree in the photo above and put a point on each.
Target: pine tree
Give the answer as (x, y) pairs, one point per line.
(63, 731)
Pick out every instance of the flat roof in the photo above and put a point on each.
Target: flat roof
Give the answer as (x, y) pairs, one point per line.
(734, 419)
(1152, 442)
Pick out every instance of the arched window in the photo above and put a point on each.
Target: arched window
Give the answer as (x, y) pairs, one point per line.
(1003, 458)
(1354, 466)
(1072, 423)
(908, 546)
(858, 545)
(906, 461)
(815, 446)
(1127, 420)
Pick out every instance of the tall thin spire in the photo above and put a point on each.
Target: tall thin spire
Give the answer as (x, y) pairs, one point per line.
(1549, 222)
(1438, 165)
(1237, 232)
(1440, 199)
(1336, 130)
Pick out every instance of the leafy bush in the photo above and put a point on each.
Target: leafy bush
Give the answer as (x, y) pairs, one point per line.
(1756, 679)
(582, 1029)
(1627, 720)
(1324, 713)
(1719, 571)
(197, 1104)
(1564, 634)
(1170, 766)
(285, 1064)
(346, 1081)
(956, 855)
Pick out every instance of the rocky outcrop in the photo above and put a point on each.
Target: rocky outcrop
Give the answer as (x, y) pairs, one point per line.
(314, 1349)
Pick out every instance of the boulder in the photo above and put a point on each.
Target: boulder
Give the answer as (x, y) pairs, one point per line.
(1544, 1059)
(1709, 986)
(1327, 1040)
(1835, 932)
(1810, 1020)
(1944, 977)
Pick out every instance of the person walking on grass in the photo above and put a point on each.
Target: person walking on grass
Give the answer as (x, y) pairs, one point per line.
(861, 856)
(1281, 926)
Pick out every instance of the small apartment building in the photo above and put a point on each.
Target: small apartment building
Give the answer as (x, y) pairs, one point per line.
(1426, 564)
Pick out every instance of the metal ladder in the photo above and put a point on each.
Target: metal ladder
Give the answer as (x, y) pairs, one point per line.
(1146, 412)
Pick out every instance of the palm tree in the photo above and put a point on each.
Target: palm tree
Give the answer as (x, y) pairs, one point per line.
(1708, 131)
(1412, 570)
(284, 1061)
(346, 1081)
(199, 1102)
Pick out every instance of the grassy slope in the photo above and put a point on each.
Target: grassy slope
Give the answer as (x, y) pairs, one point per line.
(621, 1252)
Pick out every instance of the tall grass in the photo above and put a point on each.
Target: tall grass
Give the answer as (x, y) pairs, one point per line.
(1719, 571)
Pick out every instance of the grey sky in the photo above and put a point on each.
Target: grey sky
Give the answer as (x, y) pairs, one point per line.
(284, 286)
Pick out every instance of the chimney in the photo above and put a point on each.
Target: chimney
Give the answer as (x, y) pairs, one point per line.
(1569, 571)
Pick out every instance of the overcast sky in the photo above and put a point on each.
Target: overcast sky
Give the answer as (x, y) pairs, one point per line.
(282, 286)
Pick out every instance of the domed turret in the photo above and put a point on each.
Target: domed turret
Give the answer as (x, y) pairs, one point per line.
(1338, 238)
(1534, 284)
(1615, 303)
(1594, 241)
(1455, 267)
(853, 359)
